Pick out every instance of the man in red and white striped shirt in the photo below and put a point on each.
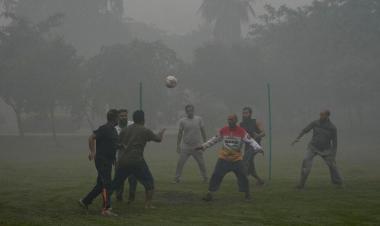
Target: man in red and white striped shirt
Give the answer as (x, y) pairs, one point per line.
(230, 156)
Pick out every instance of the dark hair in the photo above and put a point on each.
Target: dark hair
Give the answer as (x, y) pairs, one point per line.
(249, 109)
(187, 107)
(139, 116)
(112, 115)
(123, 111)
(328, 112)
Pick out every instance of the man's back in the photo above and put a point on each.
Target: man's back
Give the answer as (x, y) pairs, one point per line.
(106, 142)
(134, 139)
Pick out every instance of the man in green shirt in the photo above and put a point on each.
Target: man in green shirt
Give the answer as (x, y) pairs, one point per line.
(131, 159)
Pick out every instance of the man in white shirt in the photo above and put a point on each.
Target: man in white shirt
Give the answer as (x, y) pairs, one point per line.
(191, 134)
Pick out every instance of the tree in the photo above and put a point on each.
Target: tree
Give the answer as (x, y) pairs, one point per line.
(87, 24)
(115, 73)
(227, 16)
(38, 72)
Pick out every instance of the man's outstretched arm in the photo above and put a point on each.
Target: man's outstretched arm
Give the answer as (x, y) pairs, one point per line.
(303, 132)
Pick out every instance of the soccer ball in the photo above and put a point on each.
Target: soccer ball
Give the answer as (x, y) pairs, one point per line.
(171, 81)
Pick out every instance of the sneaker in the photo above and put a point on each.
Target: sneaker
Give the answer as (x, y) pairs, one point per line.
(108, 213)
(176, 181)
(82, 204)
(207, 198)
(131, 198)
(247, 197)
(260, 182)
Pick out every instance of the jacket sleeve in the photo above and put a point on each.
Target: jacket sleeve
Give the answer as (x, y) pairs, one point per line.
(250, 141)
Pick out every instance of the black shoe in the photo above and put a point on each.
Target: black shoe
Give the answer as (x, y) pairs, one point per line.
(300, 187)
(247, 197)
(131, 198)
(207, 198)
(82, 204)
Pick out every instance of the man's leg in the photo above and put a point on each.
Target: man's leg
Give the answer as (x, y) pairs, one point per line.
(307, 163)
(183, 156)
(145, 177)
(222, 167)
(87, 200)
(334, 172)
(249, 163)
(120, 190)
(243, 183)
(103, 183)
(132, 188)
(198, 156)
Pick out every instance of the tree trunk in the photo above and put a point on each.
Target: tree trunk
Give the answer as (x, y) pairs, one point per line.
(19, 123)
(52, 124)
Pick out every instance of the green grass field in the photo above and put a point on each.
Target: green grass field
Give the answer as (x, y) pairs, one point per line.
(40, 185)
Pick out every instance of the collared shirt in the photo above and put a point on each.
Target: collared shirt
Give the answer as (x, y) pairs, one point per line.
(324, 134)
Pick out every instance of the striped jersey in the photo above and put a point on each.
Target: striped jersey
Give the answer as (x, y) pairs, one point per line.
(233, 140)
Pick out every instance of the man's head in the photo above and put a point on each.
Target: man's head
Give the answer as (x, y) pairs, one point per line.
(123, 118)
(324, 115)
(113, 116)
(139, 117)
(232, 120)
(247, 113)
(189, 109)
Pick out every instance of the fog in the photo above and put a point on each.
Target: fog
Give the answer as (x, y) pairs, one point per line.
(63, 64)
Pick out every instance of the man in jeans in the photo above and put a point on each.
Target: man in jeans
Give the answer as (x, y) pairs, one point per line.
(133, 140)
(230, 156)
(191, 135)
(323, 143)
(103, 144)
(256, 131)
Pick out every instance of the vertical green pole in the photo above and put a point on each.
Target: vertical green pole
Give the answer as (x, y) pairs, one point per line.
(270, 130)
(141, 95)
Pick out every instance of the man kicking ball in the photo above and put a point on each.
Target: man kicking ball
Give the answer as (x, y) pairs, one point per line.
(230, 156)
(324, 143)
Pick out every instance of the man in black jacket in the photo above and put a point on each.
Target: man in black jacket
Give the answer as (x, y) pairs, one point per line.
(103, 144)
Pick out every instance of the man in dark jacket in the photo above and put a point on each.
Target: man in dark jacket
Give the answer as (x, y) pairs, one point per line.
(323, 143)
(103, 144)
(256, 131)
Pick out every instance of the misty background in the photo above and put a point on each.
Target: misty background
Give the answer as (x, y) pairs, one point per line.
(63, 64)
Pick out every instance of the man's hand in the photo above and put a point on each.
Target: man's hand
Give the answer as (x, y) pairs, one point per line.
(91, 155)
(295, 141)
(261, 151)
(200, 148)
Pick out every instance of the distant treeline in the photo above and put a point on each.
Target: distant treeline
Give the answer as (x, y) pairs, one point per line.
(326, 55)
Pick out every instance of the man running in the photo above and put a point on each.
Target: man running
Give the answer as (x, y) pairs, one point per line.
(132, 162)
(230, 157)
(323, 143)
(103, 144)
(256, 131)
(123, 123)
(190, 135)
